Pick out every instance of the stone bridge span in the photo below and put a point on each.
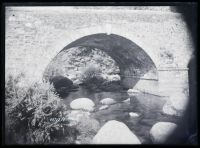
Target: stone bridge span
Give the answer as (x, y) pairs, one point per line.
(127, 55)
(155, 38)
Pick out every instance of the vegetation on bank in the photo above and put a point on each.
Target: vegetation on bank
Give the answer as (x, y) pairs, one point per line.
(92, 78)
(29, 111)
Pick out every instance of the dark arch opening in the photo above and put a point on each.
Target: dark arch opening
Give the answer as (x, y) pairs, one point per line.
(132, 60)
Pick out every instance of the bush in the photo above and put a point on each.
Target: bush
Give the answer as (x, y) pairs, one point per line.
(89, 73)
(29, 112)
(92, 79)
(94, 84)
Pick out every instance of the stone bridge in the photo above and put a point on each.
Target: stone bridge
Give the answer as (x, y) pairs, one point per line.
(152, 39)
(127, 55)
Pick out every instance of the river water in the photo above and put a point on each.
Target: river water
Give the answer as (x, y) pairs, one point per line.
(147, 106)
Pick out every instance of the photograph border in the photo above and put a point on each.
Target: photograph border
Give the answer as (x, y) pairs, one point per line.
(193, 30)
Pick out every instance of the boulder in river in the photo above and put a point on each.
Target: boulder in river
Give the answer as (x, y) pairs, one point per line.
(103, 107)
(62, 85)
(86, 126)
(75, 116)
(176, 105)
(108, 101)
(127, 100)
(115, 132)
(169, 109)
(161, 131)
(133, 115)
(133, 92)
(82, 104)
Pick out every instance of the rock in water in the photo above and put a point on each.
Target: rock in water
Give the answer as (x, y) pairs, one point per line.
(133, 115)
(133, 92)
(61, 81)
(76, 115)
(127, 100)
(176, 105)
(82, 104)
(113, 77)
(62, 85)
(115, 132)
(169, 109)
(103, 107)
(77, 82)
(87, 127)
(108, 101)
(161, 130)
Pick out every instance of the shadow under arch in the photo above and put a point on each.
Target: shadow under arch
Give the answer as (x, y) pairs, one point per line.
(129, 56)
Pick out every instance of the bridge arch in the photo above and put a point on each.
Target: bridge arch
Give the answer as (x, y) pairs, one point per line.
(132, 60)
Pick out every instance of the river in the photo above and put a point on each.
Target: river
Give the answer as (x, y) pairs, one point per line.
(147, 106)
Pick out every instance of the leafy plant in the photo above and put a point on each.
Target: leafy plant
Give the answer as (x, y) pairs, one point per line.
(90, 72)
(92, 78)
(29, 111)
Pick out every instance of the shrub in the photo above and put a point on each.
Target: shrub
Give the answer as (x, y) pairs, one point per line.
(92, 79)
(29, 112)
(90, 72)
(94, 84)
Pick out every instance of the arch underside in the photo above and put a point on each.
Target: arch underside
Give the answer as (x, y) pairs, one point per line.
(132, 60)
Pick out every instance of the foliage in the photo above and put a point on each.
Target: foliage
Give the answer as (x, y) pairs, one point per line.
(90, 72)
(29, 111)
(92, 79)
